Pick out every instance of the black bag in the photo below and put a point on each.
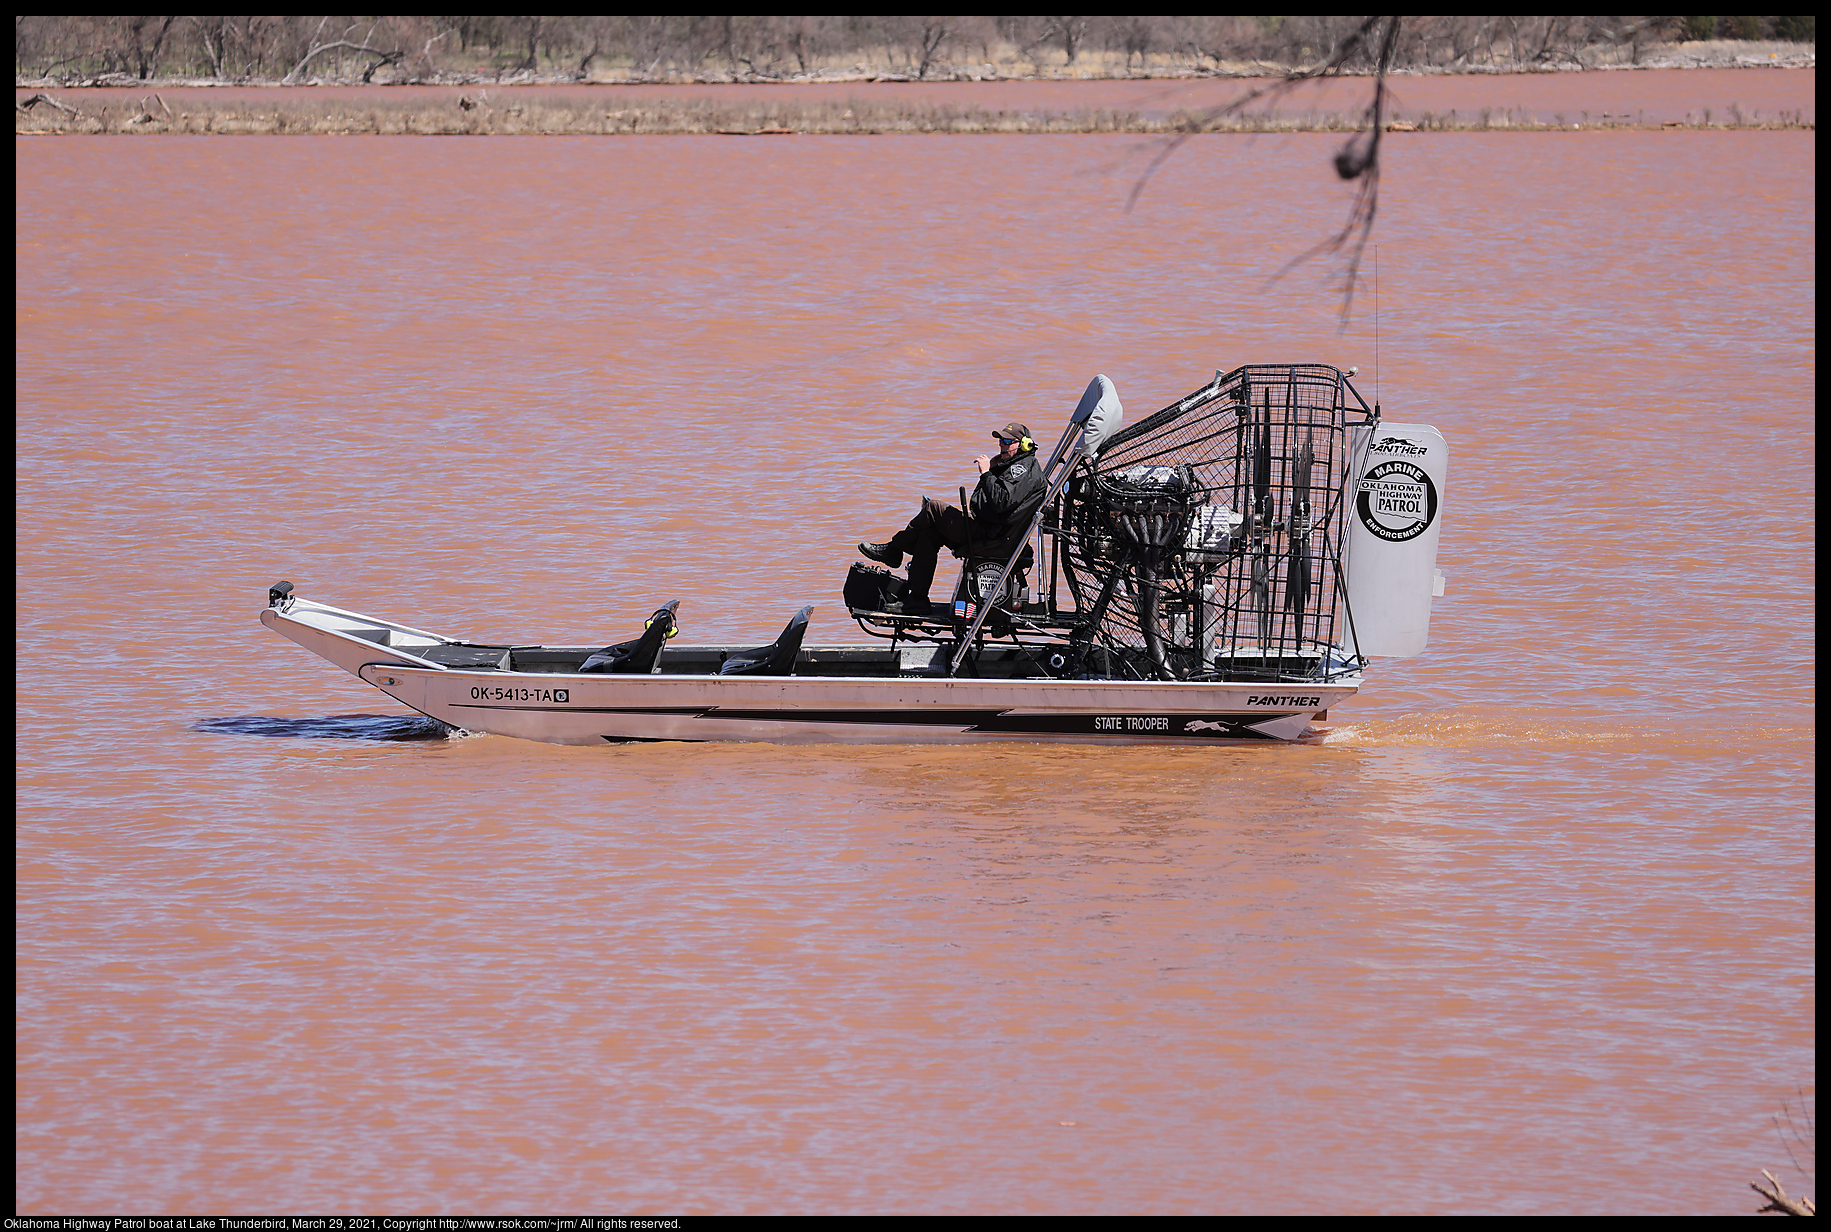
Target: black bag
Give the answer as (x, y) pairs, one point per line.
(869, 587)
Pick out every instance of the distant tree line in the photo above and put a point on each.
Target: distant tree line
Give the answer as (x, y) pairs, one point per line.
(433, 48)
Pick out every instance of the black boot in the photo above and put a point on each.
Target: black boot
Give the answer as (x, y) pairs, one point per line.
(883, 553)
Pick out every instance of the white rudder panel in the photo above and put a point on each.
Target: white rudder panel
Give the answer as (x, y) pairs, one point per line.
(1394, 522)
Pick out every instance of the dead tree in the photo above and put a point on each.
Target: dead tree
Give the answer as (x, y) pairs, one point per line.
(41, 97)
(1071, 30)
(919, 39)
(317, 49)
(146, 58)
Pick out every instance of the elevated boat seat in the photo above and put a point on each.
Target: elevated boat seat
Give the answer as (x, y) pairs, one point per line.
(980, 574)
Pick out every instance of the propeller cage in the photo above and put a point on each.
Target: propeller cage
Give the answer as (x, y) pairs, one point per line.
(1204, 541)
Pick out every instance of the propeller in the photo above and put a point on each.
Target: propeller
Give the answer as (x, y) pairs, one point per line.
(1264, 513)
(1262, 469)
(1261, 594)
(1297, 582)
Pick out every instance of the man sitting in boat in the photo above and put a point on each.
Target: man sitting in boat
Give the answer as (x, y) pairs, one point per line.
(1009, 491)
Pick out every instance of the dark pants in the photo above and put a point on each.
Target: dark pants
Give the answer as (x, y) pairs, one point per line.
(937, 526)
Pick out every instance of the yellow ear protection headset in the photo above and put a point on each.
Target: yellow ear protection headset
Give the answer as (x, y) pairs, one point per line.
(1029, 445)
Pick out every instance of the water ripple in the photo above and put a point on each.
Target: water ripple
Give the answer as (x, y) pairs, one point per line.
(333, 727)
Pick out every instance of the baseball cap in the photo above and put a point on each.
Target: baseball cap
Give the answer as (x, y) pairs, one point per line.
(1012, 432)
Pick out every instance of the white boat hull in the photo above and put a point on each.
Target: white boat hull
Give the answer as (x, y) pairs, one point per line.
(574, 708)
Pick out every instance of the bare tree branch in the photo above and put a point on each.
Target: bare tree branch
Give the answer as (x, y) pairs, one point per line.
(311, 49)
(1803, 1132)
(1806, 1138)
(1359, 159)
(426, 51)
(1354, 163)
(33, 101)
(212, 50)
(1777, 1200)
(934, 31)
(1330, 68)
(318, 49)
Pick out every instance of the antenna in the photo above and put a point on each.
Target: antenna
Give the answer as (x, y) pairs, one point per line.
(1376, 331)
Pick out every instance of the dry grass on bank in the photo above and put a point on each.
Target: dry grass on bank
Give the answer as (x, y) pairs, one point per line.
(1160, 48)
(499, 115)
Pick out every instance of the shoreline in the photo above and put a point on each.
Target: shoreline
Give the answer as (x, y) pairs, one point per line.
(1704, 97)
(500, 113)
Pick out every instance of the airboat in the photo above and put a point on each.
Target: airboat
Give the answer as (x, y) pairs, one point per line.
(1219, 572)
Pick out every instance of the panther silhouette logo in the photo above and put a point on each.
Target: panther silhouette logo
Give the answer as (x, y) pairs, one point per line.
(1195, 725)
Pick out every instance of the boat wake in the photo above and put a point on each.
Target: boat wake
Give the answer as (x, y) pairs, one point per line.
(1479, 727)
(334, 727)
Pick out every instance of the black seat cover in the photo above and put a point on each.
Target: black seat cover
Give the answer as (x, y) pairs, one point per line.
(638, 656)
(982, 571)
(775, 659)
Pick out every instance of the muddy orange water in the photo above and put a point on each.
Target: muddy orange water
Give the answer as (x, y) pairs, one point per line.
(1530, 928)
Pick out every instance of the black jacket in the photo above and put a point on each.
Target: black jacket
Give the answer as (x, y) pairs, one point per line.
(1007, 497)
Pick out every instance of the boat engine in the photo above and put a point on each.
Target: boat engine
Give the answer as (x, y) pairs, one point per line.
(1149, 510)
(1150, 506)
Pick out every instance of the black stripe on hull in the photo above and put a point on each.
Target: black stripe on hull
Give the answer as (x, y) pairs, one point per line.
(1004, 723)
(1195, 728)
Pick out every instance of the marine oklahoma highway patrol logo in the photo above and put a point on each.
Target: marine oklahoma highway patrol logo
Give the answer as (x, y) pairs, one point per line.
(1397, 501)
